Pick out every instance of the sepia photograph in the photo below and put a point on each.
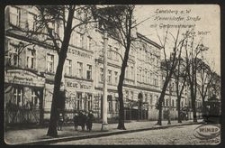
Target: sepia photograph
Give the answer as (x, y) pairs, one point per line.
(112, 74)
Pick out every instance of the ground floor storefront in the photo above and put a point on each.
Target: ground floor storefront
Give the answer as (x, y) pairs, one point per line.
(28, 99)
(23, 97)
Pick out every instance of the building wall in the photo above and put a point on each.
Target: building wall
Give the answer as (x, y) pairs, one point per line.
(86, 48)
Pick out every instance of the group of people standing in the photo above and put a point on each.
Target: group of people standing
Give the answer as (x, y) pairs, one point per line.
(81, 118)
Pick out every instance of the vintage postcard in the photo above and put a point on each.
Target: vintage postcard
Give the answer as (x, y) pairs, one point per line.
(112, 74)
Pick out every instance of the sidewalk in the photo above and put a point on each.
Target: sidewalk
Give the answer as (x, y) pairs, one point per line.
(38, 136)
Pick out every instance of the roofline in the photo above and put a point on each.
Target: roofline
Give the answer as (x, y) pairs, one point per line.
(148, 40)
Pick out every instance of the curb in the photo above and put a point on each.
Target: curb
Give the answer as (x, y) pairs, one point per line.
(69, 138)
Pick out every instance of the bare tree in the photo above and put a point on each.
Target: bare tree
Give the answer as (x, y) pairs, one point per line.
(206, 76)
(192, 64)
(120, 22)
(169, 65)
(180, 77)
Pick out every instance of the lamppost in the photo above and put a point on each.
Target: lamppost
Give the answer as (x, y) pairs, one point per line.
(104, 100)
(169, 118)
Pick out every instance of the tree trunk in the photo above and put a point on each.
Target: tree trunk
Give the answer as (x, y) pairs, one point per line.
(121, 109)
(194, 112)
(193, 98)
(161, 99)
(120, 91)
(52, 129)
(178, 110)
(120, 87)
(160, 114)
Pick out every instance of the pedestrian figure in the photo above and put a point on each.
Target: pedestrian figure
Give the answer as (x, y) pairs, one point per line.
(60, 122)
(80, 120)
(89, 121)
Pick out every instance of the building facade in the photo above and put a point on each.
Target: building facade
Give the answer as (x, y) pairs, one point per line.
(30, 67)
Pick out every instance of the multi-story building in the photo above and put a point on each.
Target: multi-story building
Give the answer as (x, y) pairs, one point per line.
(31, 62)
(30, 67)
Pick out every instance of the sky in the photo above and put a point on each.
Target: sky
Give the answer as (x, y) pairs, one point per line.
(204, 18)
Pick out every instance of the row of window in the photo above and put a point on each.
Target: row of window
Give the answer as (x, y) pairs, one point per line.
(79, 103)
(12, 59)
(23, 19)
(146, 76)
(148, 56)
(172, 103)
(13, 54)
(113, 54)
(80, 40)
(129, 95)
(69, 68)
(19, 100)
(110, 76)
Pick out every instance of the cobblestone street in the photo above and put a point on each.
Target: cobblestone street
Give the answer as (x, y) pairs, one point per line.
(183, 135)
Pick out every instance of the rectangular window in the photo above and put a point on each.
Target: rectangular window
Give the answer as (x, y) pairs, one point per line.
(131, 95)
(89, 102)
(126, 95)
(68, 67)
(80, 40)
(143, 75)
(18, 96)
(32, 18)
(101, 75)
(109, 53)
(89, 42)
(12, 56)
(89, 72)
(73, 38)
(151, 99)
(132, 72)
(57, 29)
(167, 102)
(80, 69)
(109, 100)
(146, 97)
(117, 105)
(116, 77)
(79, 100)
(172, 103)
(126, 72)
(110, 106)
(51, 30)
(15, 15)
(146, 76)
(151, 78)
(140, 75)
(50, 63)
(117, 54)
(101, 52)
(35, 101)
(31, 58)
(109, 76)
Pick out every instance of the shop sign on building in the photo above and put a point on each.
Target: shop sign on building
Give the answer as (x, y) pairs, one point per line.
(79, 53)
(77, 85)
(24, 77)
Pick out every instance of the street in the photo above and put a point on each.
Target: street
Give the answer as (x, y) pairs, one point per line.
(183, 135)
